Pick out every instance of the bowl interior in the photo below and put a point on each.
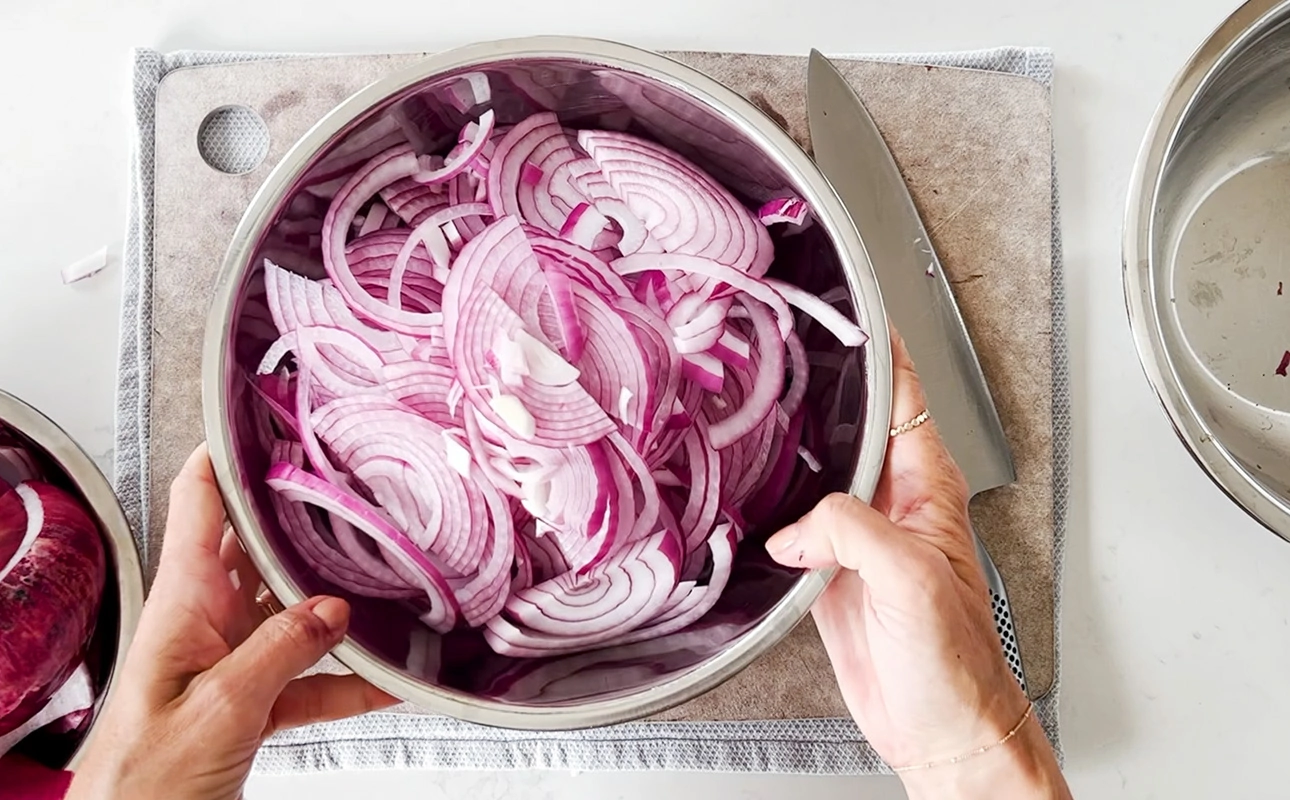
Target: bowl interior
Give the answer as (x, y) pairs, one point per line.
(64, 465)
(1220, 241)
(583, 94)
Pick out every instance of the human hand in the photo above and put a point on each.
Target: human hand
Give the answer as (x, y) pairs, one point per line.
(207, 678)
(907, 620)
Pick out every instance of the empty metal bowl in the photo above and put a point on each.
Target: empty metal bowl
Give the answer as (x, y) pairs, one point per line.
(1207, 276)
(588, 84)
(123, 592)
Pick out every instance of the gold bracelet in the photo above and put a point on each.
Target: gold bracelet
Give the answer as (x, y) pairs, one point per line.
(979, 751)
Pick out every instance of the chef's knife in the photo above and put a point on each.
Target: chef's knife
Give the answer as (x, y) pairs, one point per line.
(855, 158)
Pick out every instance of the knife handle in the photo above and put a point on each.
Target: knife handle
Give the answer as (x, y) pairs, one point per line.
(1003, 621)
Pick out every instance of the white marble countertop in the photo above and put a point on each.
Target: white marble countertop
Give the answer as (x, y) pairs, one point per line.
(1177, 606)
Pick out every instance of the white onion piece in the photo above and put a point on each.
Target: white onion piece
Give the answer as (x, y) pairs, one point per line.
(511, 411)
(844, 329)
(35, 511)
(86, 267)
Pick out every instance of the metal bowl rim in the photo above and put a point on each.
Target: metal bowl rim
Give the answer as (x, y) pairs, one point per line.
(89, 480)
(1227, 41)
(775, 144)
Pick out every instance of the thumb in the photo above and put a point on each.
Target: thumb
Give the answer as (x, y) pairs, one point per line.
(284, 646)
(842, 531)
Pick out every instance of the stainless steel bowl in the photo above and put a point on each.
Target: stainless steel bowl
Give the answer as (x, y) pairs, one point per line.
(615, 85)
(123, 595)
(1206, 274)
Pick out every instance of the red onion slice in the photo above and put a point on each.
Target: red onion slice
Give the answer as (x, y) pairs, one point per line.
(688, 605)
(792, 210)
(474, 139)
(692, 265)
(844, 329)
(570, 612)
(686, 211)
(396, 163)
(768, 383)
(295, 484)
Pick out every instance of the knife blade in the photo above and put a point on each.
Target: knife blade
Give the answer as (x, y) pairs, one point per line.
(855, 158)
(915, 290)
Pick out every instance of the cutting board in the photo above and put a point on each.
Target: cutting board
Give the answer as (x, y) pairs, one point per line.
(975, 148)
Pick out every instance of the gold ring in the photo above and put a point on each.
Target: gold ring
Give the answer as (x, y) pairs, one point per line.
(268, 604)
(913, 423)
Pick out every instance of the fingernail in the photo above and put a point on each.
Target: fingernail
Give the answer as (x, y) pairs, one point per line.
(781, 542)
(334, 613)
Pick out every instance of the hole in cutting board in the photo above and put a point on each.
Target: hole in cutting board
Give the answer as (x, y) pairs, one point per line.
(233, 139)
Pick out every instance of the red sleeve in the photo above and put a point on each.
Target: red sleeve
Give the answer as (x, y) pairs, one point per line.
(24, 779)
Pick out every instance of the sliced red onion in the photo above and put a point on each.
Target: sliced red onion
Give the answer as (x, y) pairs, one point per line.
(812, 462)
(769, 382)
(732, 349)
(399, 162)
(571, 331)
(571, 612)
(704, 487)
(470, 90)
(546, 407)
(412, 201)
(780, 465)
(373, 221)
(295, 484)
(544, 553)
(691, 601)
(705, 370)
(792, 210)
(429, 234)
(837, 324)
(305, 532)
(684, 210)
(692, 265)
(475, 141)
(584, 225)
(528, 142)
